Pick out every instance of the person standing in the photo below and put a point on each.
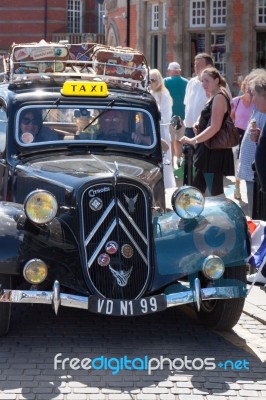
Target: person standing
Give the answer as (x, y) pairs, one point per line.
(176, 85)
(195, 96)
(242, 108)
(211, 165)
(165, 102)
(257, 86)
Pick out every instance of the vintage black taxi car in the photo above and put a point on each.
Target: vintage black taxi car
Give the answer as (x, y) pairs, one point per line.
(84, 221)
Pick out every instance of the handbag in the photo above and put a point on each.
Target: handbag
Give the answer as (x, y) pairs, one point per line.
(226, 138)
(175, 128)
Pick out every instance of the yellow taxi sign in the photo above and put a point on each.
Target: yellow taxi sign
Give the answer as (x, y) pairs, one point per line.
(88, 89)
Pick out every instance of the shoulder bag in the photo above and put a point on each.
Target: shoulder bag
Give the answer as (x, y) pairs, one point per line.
(227, 136)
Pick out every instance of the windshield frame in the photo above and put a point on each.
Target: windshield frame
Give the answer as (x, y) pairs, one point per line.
(147, 116)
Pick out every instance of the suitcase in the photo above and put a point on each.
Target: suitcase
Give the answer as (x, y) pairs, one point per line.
(122, 62)
(38, 58)
(81, 51)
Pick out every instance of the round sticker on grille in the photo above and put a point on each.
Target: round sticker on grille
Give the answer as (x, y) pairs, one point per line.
(95, 204)
(103, 260)
(111, 247)
(127, 251)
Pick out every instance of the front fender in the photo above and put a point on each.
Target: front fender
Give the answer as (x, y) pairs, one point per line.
(10, 237)
(182, 245)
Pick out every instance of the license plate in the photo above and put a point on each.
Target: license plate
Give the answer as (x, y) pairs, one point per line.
(147, 305)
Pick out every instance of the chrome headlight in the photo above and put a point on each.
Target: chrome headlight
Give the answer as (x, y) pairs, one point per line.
(40, 206)
(35, 271)
(213, 267)
(188, 202)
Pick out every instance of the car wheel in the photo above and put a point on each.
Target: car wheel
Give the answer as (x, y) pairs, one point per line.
(224, 314)
(5, 308)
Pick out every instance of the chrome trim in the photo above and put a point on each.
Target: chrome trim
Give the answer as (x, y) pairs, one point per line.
(132, 222)
(99, 223)
(55, 298)
(197, 292)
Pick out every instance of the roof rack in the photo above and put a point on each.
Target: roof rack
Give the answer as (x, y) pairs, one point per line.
(91, 61)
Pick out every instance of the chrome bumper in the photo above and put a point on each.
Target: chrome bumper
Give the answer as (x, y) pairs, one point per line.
(57, 299)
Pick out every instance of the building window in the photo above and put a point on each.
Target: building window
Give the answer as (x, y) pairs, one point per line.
(197, 13)
(261, 50)
(164, 16)
(218, 51)
(74, 15)
(100, 18)
(154, 51)
(261, 12)
(218, 12)
(155, 17)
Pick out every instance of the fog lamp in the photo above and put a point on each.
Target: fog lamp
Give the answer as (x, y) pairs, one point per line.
(213, 267)
(188, 202)
(40, 206)
(35, 271)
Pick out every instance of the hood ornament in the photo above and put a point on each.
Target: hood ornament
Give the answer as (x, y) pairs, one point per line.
(121, 277)
(116, 172)
(131, 203)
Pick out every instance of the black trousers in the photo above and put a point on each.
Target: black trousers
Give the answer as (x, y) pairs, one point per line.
(212, 181)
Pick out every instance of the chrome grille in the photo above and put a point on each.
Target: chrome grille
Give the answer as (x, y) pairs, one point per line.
(116, 214)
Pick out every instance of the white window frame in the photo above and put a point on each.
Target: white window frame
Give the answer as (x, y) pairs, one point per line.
(197, 13)
(261, 4)
(101, 13)
(74, 15)
(165, 16)
(155, 17)
(218, 13)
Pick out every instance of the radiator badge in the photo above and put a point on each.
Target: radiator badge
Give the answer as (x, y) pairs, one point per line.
(95, 204)
(131, 203)
(127, 251)
(103, 260)
(121, 277)
(111, 247)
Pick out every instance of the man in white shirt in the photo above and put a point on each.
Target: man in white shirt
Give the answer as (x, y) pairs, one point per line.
(195, 96)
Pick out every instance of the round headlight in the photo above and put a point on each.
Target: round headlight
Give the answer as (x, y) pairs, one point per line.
(188, 202)
(35, 271)
(213, 267)
(40, 206)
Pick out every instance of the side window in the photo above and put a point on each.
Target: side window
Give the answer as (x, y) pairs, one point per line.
(3, 125)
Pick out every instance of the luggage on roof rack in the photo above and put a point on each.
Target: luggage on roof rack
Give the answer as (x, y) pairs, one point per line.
(121, 62)
(33, 58)
(32, 61)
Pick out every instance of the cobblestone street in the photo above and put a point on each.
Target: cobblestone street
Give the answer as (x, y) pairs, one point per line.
(36, 336)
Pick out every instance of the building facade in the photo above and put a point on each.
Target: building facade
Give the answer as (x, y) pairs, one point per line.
(232, 31)
(31, 21)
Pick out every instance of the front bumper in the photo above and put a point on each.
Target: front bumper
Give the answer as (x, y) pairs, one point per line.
(142, 306)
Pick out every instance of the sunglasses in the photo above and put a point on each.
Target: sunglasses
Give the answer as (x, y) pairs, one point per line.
(27, 121)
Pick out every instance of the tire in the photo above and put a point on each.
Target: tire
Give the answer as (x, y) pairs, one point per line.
(223, 315)
(5, 308)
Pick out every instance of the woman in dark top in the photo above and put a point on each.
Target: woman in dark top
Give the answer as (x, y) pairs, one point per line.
(211, 165)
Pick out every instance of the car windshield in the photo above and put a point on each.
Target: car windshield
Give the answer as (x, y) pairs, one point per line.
(37, 125)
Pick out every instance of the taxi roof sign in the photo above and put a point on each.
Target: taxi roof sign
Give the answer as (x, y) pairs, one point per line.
(84, 89)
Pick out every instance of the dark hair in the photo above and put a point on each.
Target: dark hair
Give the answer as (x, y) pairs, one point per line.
(37, 113)
(206, 57)
(214, 73)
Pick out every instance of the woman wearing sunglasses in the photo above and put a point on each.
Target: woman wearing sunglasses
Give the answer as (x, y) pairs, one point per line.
(32, 129)
(164, 101)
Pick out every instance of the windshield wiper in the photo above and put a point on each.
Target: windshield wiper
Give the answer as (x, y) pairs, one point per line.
(56, 103)
(109, 105)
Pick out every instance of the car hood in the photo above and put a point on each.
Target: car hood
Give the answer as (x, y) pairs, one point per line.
(73, 171)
